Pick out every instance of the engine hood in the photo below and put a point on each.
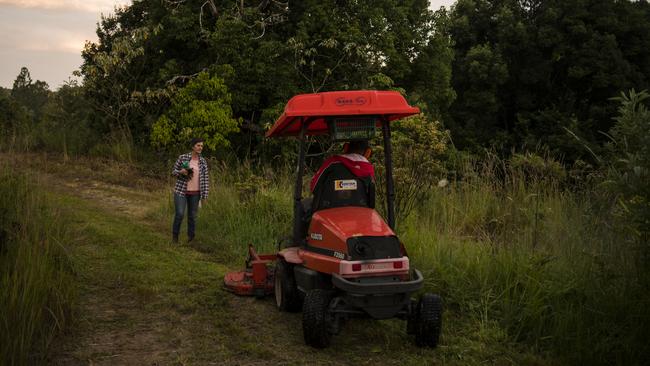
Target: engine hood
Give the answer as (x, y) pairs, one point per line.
(332, 227)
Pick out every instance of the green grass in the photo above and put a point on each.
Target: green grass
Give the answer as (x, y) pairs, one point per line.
(36, 277)
(521, 263)
(531, 274)
(538, 262)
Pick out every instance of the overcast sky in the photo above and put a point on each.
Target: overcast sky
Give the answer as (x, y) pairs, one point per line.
(47, 36)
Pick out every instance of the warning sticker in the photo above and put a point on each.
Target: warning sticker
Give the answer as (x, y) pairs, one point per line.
(345, 185)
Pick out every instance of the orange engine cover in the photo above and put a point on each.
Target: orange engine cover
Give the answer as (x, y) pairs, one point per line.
(331, 228)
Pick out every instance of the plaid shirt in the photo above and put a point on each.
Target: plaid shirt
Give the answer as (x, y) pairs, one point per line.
(181, 180)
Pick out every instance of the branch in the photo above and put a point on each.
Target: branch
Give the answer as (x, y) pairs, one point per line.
(213, 10)
(263, 31)
(183, 78)
(331, 72)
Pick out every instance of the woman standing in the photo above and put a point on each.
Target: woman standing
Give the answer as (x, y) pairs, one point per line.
(192, 186)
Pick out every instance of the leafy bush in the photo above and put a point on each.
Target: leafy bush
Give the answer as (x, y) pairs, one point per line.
(418, 145)
(201, 109)
(537, 168)
(628, 169)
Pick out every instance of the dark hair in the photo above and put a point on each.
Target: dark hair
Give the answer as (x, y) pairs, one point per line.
(195, 141)
(358, 146)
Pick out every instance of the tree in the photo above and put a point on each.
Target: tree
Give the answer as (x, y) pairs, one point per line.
(64, 125)
(528, 71)
(275, 50)
(201, 109)
(14, 120)
(419, 145)
(23, 80)
(32, 95)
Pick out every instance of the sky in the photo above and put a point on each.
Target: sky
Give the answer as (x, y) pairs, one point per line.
(47, 36)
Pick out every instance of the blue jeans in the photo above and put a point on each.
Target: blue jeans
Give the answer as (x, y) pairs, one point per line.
(192, 204)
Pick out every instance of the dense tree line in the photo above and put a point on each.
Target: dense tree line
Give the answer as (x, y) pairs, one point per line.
(535, 72)
(262, 52)
(555, 88)
(509, 75)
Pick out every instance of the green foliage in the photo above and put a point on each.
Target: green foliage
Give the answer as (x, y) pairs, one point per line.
(526, 71)
(274, 52)
(32, 95)
(534, 260)
(200, 109)
(35, 274)
(431, 75)
(64, 125)
(113, 79)
(628, 169)
(531, 266)
(15, 123)
(419, 145)
(537, 168)
(20, 110)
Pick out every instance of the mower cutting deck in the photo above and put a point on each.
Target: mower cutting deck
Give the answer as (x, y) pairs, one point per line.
(256, 280)
(344, 259)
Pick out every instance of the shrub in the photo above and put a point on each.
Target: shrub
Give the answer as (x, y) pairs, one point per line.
(201, 109)
(418, 148)
(628, 170)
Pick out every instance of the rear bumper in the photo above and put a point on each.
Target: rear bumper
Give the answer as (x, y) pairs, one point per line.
(381, 300)
(386, 288)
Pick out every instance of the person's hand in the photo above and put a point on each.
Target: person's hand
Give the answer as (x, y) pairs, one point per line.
(184, 171)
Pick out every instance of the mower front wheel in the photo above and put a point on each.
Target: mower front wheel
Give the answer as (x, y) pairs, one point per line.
(287, 297)
(429, 321)
(316, 319)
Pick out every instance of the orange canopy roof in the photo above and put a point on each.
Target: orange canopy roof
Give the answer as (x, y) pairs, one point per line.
(316, 107)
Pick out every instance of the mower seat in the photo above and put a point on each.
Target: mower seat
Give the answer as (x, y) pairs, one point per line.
(338, 187)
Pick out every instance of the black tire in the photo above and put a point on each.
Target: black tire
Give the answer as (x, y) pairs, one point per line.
(429, 324)
(287, 297)
(316, 318)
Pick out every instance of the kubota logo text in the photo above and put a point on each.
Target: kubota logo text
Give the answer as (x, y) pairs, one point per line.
(350, 101)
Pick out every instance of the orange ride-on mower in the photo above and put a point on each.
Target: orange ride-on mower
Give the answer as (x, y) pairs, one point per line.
(344, 259)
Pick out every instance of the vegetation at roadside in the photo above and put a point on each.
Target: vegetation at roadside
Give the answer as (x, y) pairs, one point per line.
(519, 259)
(36, 277)
(523, 188)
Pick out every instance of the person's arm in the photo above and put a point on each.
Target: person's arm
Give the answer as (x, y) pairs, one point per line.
(178, 168)
(205, 190)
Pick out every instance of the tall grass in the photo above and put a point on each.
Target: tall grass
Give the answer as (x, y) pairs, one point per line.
(513, 249)
(244, 207)
(514, 254)
(36, 285)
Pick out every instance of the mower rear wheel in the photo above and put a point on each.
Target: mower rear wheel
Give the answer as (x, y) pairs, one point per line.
(316, 320)
(287, 296)
(429, 323)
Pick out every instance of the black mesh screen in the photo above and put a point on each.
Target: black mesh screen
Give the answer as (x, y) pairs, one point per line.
(373, 247)
(352, 128)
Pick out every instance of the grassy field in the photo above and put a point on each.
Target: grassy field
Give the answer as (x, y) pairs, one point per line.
(520, 261)
(530, 276)
(36, 276)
